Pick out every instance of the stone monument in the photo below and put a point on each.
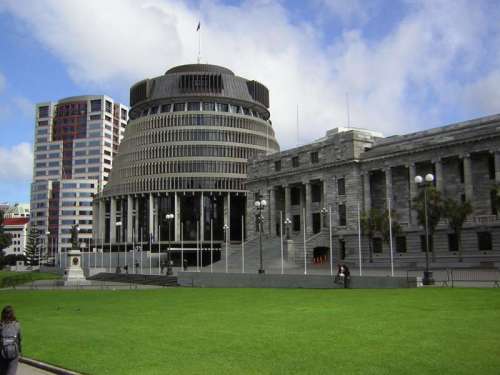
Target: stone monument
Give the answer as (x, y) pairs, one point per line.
(73, 274)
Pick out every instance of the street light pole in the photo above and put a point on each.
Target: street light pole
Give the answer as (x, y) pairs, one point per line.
(169, 218)
(260, 204)
(429, 178)
(118, 269)
(226, 229)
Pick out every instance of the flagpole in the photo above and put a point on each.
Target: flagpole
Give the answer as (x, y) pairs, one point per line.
(198, 30)
(242, 244)
(159, 250)
(331, 244)
(390, 235)
(110, 252)
(281, 238)
(359, 242)
(133, 251)
(142, 248)
(211, 246)
(305, 252)
(150, 244)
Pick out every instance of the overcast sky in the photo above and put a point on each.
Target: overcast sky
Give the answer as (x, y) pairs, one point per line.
(406, 65)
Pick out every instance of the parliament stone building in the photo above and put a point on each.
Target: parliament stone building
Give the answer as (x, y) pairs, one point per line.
(351, 168)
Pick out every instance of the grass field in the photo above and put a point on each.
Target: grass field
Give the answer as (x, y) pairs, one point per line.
(263, 331)
(8, 279)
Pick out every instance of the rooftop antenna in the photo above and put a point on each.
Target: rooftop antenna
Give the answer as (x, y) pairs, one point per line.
(348, 110)
(198, 30)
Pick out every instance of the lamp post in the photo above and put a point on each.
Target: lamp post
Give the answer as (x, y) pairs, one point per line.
(118, 270)
(169, 218)
(324, 212)
(426, 182)
(226, 237)
(260, 204)
(48, 238)
(287, 223)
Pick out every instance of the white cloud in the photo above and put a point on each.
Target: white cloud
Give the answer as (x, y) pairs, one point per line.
(396, 83)
(24, 105)
(16, 163)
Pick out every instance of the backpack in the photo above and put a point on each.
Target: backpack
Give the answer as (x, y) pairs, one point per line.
(9, 348)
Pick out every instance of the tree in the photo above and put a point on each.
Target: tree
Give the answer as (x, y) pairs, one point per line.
(5, 238)
(456, 213)
(32, 246)
(434, 209)
(370, 225)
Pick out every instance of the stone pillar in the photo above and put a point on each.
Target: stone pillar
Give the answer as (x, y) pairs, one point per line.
(308, 217)
(151, 222)
(468, 185)
(412, 172)
(388, 187)
(497, 167)
(272, 211)
(177, 218)
(102, 220)
(288, 203)
(366, 191)
(129, 218)
(333, 201)
(112, 221)
(438, 167)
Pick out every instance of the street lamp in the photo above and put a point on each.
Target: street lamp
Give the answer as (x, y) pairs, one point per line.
(426, 182)
(118, 270)
(169, 218)
(226, 237)
(260, 204)
(287, 223)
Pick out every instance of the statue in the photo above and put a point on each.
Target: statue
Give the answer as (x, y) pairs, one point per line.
(74, 237)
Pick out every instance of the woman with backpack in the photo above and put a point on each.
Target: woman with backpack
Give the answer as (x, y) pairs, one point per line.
(10, 341)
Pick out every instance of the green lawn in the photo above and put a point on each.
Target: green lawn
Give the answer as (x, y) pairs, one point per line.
(8, 278)
(263, 331)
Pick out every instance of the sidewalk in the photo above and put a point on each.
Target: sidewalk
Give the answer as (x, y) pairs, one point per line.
(24, 369)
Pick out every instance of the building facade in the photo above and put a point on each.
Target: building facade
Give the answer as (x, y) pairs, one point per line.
(17, 210)
(17, 227)
(76, 140)
(351, 171)
(185, 153)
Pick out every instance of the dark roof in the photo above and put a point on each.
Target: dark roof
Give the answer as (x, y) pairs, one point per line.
(199, 68)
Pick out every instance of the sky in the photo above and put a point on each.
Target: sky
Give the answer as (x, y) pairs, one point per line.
(401, 65)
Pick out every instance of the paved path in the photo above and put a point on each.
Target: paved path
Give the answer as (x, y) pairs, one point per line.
(25, 369)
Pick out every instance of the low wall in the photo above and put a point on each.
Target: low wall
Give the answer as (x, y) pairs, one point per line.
(247, 280)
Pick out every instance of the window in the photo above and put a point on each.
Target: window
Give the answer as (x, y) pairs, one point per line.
(85, 185)
(484, 241)
(295, 196)
(209, 106)
(95, 105)
(235, 108)
(193, 106)
(108, 106)
(401, 244)
(165, 108)
(314, 157)
(377, 245)
(81, 153)
(342, 215)
(295, 161)
(80, 144)
(124, 114)
(493, 202)
(80, 161)
(179, 107)
(316, 222)
(54, 164)
(296, 223)
(315, 192)
(43, 111)
(222, 107)
(423, 245)
(80, 170)
(341, 186)
(68, 194)
(69, 185)
(93, 169)
(277, 165)
(452, 242)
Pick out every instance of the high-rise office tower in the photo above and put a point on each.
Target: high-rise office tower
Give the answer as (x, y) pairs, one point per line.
(76, 139)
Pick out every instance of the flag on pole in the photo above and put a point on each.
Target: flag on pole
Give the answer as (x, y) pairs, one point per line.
(198, 27)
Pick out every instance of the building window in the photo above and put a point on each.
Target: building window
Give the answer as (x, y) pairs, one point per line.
(316, 192)
(165, 108)
(316, 222)
(401, 244)
(295, 196)
(296, 223)
(95, 105)
(423, 243)
(277, 165)
(341, 186)
(484, 241)
(193, 106)
(491, 166)
(124, 114)
(377, 245)
(108, 106)
(222, 107)
(179, 107)
(43, 111)
(295, 161)
(452, 242)
(314, 157)
(209, 106)
(493, 202)
(342, 215)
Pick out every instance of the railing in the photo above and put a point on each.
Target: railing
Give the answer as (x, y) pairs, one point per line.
(451, 275)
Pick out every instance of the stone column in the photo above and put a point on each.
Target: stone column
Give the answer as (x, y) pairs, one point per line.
(102, 220)
(308, 217)
(272, 211)
(177, 218)
(151, 222)
(497, 167)
(366, 191)
(438, 167)
(112, 221)
(388, 188)
(468, 185)
(288, 203)
(412, 172)
(129, 218)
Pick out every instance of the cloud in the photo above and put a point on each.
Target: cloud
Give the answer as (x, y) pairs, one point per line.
(408, 78)
(17, 164)
(24, 105)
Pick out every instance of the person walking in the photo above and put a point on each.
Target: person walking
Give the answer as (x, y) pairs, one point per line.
(10, 344)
